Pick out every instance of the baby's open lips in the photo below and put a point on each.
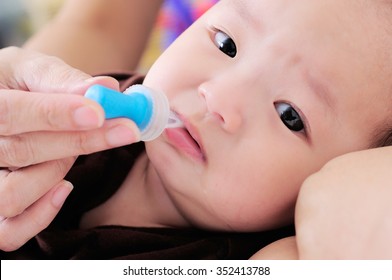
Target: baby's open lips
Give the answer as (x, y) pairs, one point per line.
(193, 133)
(187, 139)
(194, 139)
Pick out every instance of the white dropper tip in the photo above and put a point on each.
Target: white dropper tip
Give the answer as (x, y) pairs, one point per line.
(174, 121)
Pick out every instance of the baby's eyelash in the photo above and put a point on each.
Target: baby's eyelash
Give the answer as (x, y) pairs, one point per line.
(224, 42)
(300, 125)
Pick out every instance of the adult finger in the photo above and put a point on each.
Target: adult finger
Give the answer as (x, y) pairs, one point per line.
(16, 231)
(32, 71)
(21, 112)
(21, 188)
(31, 148)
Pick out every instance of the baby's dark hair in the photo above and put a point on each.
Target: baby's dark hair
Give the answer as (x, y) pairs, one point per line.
(382, 137)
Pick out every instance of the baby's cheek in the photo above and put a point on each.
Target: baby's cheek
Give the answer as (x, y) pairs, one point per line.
(250, 209)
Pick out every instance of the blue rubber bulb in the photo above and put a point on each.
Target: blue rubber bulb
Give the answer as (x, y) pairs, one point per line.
(149, 109)
(136, 106)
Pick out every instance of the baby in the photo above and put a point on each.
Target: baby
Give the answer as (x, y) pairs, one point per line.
(268, 91)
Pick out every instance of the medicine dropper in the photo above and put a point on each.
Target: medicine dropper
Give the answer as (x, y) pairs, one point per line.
(148, 108)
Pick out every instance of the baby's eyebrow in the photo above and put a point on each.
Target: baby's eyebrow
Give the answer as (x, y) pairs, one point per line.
(321, 90)
(242, 9)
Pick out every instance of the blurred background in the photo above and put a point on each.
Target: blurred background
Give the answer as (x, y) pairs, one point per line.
(21, 18)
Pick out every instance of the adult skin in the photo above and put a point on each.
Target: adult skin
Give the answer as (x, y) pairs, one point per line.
(343, 211)
(88, 35)
(98, 36)
(42, 109)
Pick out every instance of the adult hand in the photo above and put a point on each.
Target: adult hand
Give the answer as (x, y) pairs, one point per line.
(42, 129)
(344, 211)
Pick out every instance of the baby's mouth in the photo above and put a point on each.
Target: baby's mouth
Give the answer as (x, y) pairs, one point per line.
(196, 143)
(186, 139)
(195, 137)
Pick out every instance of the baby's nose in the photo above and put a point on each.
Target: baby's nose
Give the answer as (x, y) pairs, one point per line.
(222, 105)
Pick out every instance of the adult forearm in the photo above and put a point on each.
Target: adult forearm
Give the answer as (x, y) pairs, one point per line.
(98, 36)
(345, 211)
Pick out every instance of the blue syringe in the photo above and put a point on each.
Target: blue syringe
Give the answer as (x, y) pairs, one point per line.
(149, 109)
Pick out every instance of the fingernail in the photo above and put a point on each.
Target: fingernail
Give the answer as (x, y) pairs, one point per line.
(91, 79)
(120, 135)
(87, 117)
(104, 81)
(61, 194)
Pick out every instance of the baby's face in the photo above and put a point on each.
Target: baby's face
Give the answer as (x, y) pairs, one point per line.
(269, 90)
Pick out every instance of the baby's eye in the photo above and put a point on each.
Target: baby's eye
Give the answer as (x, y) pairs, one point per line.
(289, 117)
(225, 44)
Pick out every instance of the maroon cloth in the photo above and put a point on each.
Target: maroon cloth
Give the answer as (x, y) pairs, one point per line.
(95, 178)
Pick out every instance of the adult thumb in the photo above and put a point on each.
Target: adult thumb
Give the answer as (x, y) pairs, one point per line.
(37, 72)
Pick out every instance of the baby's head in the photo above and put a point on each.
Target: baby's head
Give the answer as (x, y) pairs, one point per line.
(269, 91)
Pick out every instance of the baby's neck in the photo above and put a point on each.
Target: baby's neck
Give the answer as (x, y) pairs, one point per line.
(141, 201)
